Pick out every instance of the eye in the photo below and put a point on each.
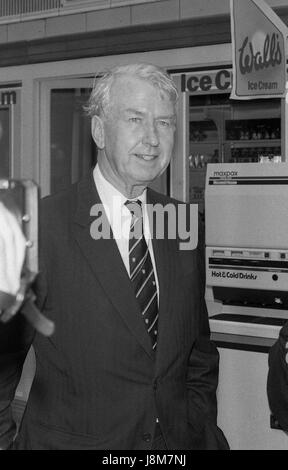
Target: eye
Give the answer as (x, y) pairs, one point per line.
(135, 120)
(164, 122)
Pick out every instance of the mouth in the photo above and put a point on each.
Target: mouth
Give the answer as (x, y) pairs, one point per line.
(146, 157)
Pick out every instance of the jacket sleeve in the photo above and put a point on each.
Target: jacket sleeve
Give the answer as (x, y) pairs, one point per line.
(15, 340)
(16, 337)
(202, 375)
(277, 381)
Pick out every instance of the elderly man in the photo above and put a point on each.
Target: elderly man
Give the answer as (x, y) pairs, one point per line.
(130, 364)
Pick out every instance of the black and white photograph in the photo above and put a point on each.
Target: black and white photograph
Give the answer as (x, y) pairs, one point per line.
(144, 228)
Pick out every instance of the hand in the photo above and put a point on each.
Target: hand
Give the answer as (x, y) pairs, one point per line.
(12, 251)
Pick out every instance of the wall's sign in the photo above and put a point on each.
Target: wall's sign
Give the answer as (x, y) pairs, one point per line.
(258, 49)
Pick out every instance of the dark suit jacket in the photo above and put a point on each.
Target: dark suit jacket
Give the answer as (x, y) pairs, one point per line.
(277, 383)
(98, 383)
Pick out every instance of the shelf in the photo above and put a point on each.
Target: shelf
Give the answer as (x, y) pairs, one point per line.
(198, 169)
(242, 143)
(254, 143)
(205, 142)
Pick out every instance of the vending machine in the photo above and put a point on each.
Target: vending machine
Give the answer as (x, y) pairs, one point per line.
(246, 223)
(246, 213)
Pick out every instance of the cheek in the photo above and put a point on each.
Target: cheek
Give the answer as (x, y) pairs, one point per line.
(125, 141)
(114, 135)
(167, 144)
(116, 148)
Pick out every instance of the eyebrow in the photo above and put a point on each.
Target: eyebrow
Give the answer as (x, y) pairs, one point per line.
(134, 111)
(140, 113)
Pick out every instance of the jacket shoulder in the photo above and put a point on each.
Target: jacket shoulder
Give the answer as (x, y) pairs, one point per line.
(161, 198)
(59, 201)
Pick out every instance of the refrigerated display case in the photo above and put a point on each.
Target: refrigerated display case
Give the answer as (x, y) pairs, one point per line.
(228, 131)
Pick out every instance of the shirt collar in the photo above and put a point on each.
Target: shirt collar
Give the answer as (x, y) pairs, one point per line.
(110, 195)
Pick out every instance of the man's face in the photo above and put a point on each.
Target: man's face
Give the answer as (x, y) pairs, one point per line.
(138, 134)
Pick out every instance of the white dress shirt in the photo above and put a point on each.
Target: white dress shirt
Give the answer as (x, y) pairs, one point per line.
(119, 218)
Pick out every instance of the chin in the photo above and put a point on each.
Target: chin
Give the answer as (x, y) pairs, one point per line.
(150, 174)
(146, 179)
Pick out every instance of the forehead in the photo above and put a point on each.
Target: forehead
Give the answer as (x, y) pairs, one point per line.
(127, 91)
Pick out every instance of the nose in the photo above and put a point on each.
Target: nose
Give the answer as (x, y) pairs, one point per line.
(150, 136)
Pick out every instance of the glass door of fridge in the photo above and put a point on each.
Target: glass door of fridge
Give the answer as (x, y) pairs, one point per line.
(230, 131)
(252, 131)
(212, 128)
(206, 130)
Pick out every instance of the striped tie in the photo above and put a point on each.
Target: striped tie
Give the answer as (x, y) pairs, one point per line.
(141, 271)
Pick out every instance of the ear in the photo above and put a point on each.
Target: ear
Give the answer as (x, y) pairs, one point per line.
(97, 131)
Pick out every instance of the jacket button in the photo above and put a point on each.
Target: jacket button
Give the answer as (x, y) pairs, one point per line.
(147, 437)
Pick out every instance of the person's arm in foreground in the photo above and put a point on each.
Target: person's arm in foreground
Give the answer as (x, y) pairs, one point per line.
(277, 384)
(12, 348)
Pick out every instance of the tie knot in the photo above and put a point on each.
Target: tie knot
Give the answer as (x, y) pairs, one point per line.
(135, 207)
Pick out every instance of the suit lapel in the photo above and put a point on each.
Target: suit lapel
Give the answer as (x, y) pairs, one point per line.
(104, 259)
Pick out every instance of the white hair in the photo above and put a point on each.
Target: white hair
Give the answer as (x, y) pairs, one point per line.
(99, 99)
